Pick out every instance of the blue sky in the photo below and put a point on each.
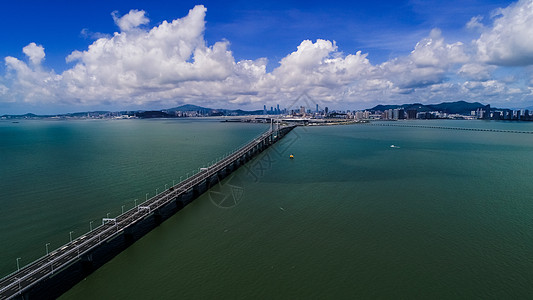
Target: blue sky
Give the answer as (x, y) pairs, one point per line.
(246, 54)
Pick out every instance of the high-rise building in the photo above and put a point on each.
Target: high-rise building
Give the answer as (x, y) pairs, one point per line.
(401, 113)
(316, 108)
(486, 114)
(480, 113)
(389, 114)
(411, 114)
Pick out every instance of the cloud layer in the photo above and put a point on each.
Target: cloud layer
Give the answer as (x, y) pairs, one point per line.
(508, 41)
(171, 63)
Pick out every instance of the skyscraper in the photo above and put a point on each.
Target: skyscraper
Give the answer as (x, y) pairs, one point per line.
(411, 113)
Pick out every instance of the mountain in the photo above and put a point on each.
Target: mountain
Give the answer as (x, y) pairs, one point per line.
(212, 111)
(188, 107)
(457, 107)
(381, 107)
(154, 114)
(240, 112)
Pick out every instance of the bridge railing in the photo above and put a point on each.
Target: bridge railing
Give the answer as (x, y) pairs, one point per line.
(450, 128)
(210, 170)
(49, 263)
(130, 217)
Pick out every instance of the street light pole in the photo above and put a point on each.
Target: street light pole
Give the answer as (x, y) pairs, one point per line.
(146, 196)
(47, 244)
(91, 226)
(71, 236)
(18, 266)
(122, 208)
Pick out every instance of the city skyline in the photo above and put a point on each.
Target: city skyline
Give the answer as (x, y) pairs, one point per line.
(137, 55)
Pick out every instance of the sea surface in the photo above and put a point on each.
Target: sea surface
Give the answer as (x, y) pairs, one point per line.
(444, 214)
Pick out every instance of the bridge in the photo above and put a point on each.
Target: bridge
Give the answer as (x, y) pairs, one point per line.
(51, 275)
(448, 128)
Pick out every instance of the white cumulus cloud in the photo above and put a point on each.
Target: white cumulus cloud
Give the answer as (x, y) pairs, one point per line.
(508, 41)
(476, 71)
(132, 20)
(434, 52)
(34, 52)
(428, 64)
(475, 23)
(319, 70)
(172, 63)
(154, 62)
(3, 89)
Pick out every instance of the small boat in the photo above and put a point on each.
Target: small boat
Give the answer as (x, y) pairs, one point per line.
(394, 146)
(291, 156)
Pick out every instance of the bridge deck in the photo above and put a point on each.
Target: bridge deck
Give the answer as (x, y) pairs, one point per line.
(448, 127)
(23, 279)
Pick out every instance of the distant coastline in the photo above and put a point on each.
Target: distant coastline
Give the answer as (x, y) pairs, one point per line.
(447, 110)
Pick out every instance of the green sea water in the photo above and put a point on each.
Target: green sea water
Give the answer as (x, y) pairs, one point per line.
(445, 214)
(58, 176)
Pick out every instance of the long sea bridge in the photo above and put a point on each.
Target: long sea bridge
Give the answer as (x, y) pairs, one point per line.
(51, 275)
(394, 124)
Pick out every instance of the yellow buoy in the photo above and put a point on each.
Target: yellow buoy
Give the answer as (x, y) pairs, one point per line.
(291, 156)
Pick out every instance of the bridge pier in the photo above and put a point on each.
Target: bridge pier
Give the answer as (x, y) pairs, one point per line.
(187, 197)
(178, 202)
(212, 181)
(158, 217)
(199, 189)
(221, 174)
